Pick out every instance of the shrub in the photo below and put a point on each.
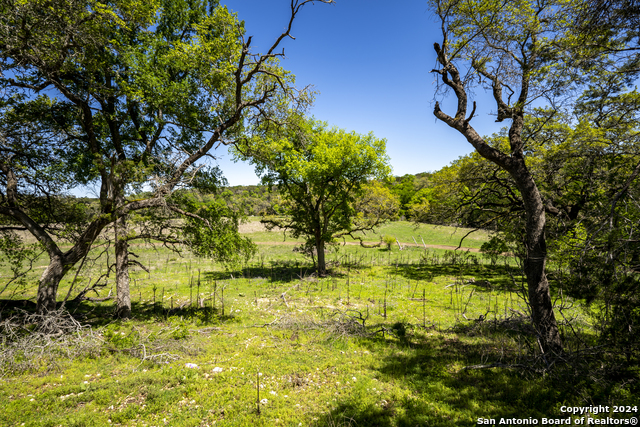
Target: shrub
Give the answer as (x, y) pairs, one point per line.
(389, 241)
(493, 249)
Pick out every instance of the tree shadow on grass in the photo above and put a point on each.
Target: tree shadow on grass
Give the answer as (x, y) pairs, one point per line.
(436, 392)
(98, 315)
(489, 278)
(282, 271)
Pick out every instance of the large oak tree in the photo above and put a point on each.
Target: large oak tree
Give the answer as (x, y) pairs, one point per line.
(121, 94)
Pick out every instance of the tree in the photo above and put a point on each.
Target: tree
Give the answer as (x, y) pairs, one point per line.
(586, 169)
(601, 254)
(612, 26)
(220, 238)
(514, 47)
(404, 188)
(320, 172)
(376, 203)
(128, 95)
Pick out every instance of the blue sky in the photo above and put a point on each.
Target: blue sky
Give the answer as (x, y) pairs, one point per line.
(370, 61)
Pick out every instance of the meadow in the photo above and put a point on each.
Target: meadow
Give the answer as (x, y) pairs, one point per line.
(420, 336)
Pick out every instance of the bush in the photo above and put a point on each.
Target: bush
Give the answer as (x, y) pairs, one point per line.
(494, 248)
(389, 241)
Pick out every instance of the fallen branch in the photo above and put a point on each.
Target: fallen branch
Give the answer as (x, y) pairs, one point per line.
(502, 365)
(270, 323)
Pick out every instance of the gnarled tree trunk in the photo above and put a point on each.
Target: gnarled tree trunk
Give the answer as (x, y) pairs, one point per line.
(514, 163)
(535, 261)
(49, 282)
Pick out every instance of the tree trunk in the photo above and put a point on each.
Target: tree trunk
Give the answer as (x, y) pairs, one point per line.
(123, 297)
(48, 287)
(322, 266)
(60, 263)
(514, 163)
(535, 261)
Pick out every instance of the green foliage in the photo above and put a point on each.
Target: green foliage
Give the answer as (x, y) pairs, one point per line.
(375, 204)
(567, 247)
(404, 189)
(516, 42)
(389, 241)
(420, 204)
(494, 248)
(442, 201)
(212, 230)
(18, 257)
(123, 96)
(586, 171)
(253, 200)
(320, 173)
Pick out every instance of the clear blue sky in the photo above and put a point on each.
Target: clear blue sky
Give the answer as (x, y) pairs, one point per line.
(370, 61)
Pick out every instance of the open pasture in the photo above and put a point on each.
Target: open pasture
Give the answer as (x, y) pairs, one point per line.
(389, 338)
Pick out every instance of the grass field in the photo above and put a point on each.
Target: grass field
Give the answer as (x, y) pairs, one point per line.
(389, 338)
(406, 232)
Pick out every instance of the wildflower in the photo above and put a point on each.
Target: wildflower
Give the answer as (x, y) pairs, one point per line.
(190, 365)
(353, 378)
(273, 392)
(264, 401)
(216, 369)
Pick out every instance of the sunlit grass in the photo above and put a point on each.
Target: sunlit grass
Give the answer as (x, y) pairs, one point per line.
(271, 344)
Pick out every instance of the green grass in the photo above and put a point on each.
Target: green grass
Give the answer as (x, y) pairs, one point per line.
(404, 231)
(298, 341)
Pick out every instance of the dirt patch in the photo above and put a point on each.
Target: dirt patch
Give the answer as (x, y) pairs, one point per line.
(462, 249)
(254, 227)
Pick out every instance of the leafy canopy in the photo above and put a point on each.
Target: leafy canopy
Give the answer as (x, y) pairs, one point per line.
(320, 172)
